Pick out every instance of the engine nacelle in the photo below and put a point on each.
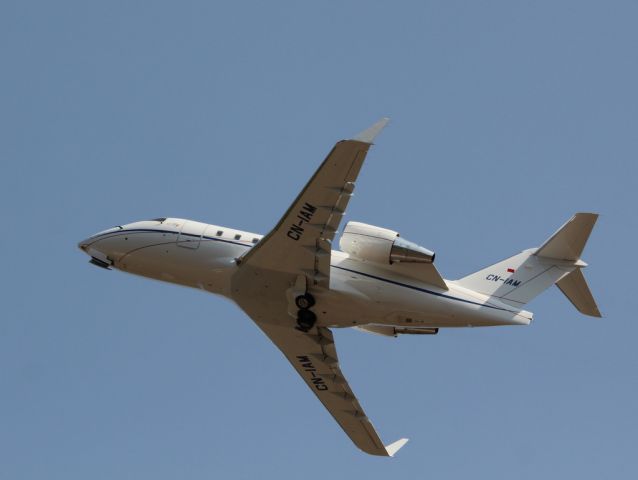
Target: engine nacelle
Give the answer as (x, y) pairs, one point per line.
(380, 245)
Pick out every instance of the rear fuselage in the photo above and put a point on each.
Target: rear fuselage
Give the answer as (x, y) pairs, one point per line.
(204, 256)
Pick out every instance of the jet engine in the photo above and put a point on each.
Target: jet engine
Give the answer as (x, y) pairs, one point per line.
(380, 245)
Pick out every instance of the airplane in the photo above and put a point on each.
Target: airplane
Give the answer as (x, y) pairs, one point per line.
(296, 288)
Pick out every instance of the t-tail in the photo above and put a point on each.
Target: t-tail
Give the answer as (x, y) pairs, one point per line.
(520, 278)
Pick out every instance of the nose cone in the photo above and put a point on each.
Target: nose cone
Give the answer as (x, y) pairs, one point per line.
(93, 239)
(94, 247)
(83, 244)
(108, 247)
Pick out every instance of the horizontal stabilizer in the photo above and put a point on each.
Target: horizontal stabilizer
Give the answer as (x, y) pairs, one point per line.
(395, 447)
(575, 288)
(569, 241)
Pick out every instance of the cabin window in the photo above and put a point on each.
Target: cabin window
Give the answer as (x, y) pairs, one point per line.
(255, 240)
(237, 237)
(219, 233)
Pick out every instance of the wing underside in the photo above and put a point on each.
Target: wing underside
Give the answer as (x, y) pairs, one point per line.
(314, 357)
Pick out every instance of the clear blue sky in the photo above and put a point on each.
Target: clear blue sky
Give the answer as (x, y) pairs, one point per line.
(507, 117)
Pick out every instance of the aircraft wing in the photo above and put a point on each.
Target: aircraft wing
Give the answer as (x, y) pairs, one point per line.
(314, 356)
(301, 242)
(299, 247)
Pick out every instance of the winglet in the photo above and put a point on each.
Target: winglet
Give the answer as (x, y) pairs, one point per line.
(368, 135)
(395, 447)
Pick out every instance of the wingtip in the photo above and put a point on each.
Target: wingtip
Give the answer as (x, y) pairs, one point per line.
(368, 135)
(393, 448)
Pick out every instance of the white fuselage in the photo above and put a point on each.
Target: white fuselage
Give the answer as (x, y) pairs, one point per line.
(204, 256)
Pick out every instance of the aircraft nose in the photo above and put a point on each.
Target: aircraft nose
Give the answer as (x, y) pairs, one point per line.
(94, 248)
(88, 243)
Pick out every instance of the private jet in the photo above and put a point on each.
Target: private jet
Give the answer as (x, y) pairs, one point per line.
(296, 288)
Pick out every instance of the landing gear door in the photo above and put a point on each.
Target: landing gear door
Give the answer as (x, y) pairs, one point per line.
(190, 234)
